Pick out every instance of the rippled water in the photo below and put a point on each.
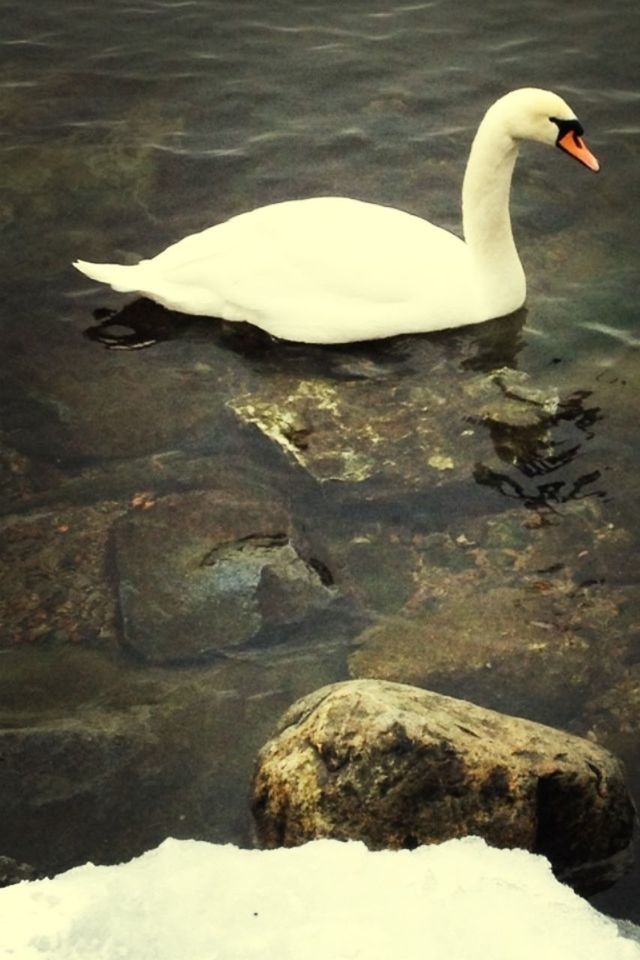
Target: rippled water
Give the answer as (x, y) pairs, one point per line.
(128, 125)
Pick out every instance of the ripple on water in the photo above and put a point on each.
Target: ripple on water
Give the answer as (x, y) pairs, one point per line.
(614, 333)
(130, 124)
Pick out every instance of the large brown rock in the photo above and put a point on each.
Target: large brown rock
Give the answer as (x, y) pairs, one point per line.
(397, 766)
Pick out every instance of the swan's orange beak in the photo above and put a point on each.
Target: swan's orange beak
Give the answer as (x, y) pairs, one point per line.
(573, 144)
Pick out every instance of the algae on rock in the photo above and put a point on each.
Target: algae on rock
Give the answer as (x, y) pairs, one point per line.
(419, 434)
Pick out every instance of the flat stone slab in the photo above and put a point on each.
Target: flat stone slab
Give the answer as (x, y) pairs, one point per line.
(397, 766)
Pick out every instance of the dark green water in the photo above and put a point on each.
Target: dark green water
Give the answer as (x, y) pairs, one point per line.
(126, 126)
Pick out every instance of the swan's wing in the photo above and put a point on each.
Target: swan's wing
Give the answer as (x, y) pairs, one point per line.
(336, 245)
(310, 261)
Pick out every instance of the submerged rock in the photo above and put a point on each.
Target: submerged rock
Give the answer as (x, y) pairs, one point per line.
(101, 760)
(423, 433)
(613, 717)
(203, 573)
(55, 577)
(396, 766)
(555, 623)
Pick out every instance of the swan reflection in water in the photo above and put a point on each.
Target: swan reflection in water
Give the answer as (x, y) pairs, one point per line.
(481, 347)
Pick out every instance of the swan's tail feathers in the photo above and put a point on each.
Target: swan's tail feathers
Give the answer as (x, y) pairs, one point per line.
(121, 278)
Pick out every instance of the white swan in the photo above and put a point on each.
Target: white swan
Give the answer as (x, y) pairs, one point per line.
(334, 270)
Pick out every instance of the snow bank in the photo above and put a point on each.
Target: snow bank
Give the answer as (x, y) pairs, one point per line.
(327, 900)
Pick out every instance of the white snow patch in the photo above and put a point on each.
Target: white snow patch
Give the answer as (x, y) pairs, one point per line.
(327, 900)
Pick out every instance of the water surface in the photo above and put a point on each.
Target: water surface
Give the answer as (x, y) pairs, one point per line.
(126, 126)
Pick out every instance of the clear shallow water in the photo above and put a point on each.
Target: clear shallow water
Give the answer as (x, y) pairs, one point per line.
(127, 126)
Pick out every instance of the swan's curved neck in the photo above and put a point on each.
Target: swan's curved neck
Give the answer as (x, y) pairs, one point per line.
(485, 211)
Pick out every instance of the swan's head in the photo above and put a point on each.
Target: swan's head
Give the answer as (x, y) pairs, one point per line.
(532, 114)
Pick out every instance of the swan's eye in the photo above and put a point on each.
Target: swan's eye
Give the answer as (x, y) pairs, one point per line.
(567, 126)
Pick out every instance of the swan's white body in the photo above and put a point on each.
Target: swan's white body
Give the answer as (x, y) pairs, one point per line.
(334, 270)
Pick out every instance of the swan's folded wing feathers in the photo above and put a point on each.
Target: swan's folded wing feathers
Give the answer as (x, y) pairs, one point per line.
(319, 270)
(335, 249)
